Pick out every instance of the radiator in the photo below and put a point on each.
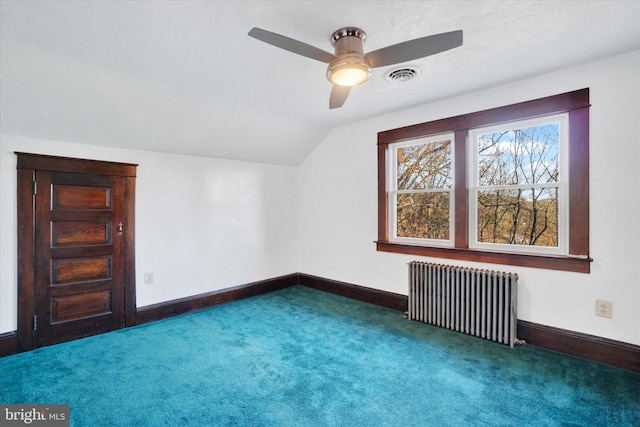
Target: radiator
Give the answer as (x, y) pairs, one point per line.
(475, 302)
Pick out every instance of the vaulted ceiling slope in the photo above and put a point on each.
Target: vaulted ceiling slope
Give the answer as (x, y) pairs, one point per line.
(184, 77)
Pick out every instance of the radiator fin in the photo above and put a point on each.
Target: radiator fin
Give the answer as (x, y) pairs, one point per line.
(476, 302)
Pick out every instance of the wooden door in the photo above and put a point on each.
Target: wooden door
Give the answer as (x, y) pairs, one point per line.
(79, 255)
(77, 269)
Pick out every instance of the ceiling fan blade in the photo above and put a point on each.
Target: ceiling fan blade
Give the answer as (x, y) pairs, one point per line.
(414, 49)
(292, 45)
(339, 95)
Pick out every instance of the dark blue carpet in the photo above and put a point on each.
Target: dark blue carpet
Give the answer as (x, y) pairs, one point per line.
(300, 357)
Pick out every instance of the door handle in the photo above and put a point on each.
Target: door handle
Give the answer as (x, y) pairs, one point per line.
(120, 228)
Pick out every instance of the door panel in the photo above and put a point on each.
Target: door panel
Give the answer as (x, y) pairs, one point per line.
(79, 255)
(80, 306)
(65, 270)
(74, 233)
(80, 197)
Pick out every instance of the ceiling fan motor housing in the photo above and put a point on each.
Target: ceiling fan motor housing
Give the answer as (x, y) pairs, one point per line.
(351, 67)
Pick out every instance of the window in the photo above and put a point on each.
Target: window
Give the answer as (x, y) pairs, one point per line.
(507, 185)
(517, 193)
(421, 186)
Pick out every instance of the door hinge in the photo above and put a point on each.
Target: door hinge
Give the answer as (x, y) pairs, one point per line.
(35, 322)
(35, 188)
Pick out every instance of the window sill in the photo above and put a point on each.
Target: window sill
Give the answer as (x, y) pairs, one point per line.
(562, 263)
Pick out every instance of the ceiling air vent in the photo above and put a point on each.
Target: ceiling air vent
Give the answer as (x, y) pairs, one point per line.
(402, 74)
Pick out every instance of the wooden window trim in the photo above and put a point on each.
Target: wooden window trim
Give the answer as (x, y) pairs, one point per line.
(576, 104)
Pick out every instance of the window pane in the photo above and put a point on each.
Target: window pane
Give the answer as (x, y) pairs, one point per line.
(424, 166)
(423, 216)
(519, 156)
(518, 216)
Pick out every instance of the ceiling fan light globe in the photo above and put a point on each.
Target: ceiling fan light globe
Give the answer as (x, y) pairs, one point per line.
(349, 76)
(349, 71)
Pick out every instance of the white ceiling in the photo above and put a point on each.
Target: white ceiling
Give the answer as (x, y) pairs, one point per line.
(184, 77)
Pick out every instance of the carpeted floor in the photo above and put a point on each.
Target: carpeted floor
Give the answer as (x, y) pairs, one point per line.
(300, 357)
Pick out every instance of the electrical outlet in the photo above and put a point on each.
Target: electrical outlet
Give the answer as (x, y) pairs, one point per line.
(604, 308)
(148, 278)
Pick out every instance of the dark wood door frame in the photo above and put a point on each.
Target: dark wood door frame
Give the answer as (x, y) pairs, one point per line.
(27, 166)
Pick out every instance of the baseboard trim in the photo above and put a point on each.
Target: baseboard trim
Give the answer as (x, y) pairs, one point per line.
(597, 349)
(602, 350)
(176, 307)
(8, 343)
(374, 296)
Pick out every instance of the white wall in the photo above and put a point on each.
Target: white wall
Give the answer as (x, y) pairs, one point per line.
(338, 202)
(202, 224)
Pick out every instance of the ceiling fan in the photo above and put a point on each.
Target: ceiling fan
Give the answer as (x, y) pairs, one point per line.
(350, 66)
